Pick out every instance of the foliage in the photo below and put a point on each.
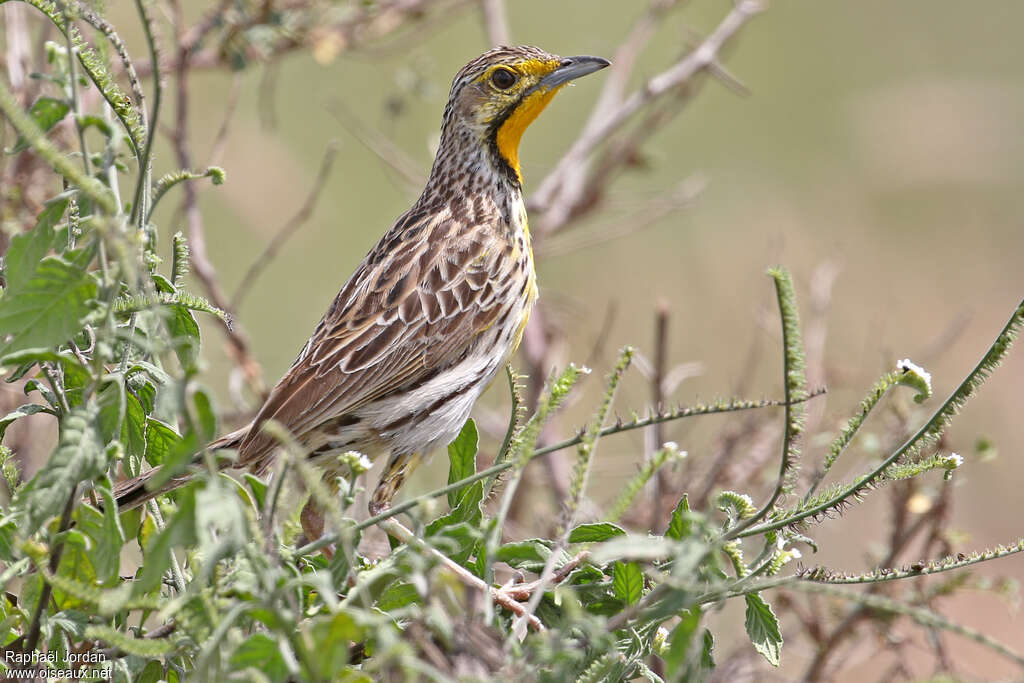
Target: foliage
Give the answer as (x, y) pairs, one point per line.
(226, 590)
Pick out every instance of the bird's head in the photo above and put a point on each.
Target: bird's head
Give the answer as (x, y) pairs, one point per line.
(499, 94)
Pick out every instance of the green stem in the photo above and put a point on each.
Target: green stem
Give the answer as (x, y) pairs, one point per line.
(28, 128)
(732, 406)
(144, 184)
(930, 428)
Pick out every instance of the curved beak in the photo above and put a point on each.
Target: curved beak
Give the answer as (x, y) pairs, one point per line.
(572, 68)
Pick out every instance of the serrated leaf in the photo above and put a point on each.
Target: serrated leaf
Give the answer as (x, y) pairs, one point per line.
(462, 459)
(133, 431)
(47, 112)
(106, 534)
(763, 628)
(47, 310)
(27, 249)
(23, 411)
(595, 533)
(80, 455)
(161, 441)
(111, 419)
(75, 565)
(627, 582)
(680, 526)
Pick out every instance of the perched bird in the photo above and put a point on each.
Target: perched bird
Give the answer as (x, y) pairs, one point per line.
(434, 310)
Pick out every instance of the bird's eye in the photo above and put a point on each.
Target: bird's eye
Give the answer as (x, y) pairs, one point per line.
(503, 79)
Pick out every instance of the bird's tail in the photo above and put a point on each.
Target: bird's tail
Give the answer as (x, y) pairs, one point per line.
(134, 492)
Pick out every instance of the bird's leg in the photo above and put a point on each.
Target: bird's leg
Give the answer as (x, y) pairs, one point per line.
(312, 516)
(312, 520)
(398, 467)
(391, 479)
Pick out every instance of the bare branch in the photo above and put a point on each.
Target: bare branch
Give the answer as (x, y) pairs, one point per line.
(495, 21)
(565, 186)
(288, 229)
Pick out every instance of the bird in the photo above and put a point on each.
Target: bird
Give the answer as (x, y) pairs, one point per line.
(434, 310)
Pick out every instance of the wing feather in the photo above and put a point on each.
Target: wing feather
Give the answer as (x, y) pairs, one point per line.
(413, 307)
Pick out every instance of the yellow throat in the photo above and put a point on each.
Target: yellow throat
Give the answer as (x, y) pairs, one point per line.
(511, 131)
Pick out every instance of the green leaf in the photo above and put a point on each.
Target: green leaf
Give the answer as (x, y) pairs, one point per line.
(80, 455)
(23, 411)
(133, 431)
(680, 526)
(532, 551)
(27, 249)
(707, 655)
(153, 673)
(206, 419)
(91, 120)
(258, 488)
(680, 643)
(161, 441)
(763, 628)
(627, 582)
(468, 510)
(107, 536)
(112, 410)
(462, 458)
(75, 565)
(330, 638)
(48, 309)
(398, 594)
(261, 652)
(180, 530)
(47, 112)
(30, 357)
(184, 331)
(594, 533)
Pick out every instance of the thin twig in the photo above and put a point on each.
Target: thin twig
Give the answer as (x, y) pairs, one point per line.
(656, 431)
(287, 230)
(32, 639)
(201, 265)
(498, 595)
(495, 21)
(563, 188)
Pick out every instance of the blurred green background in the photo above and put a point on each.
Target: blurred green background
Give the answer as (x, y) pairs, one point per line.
(883, 138)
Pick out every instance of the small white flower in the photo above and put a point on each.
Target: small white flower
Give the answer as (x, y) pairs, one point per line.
(952, 461)
(916, 376)
(356, 461)
(907, 365)
(661, 641)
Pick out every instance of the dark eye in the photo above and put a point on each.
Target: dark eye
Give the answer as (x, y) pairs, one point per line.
(503, 79)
